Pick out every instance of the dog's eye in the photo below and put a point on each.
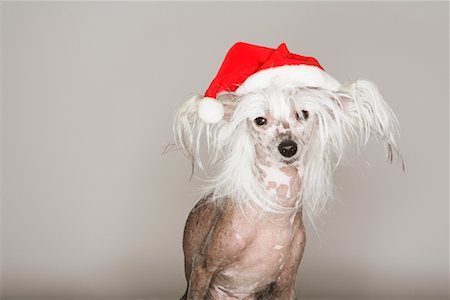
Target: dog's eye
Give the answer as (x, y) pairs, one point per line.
(260, 121)
(305, 115)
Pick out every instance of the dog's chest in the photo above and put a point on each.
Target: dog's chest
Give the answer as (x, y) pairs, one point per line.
(261, 263)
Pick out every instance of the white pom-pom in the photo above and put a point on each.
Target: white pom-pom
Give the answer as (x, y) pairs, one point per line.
(210, 110)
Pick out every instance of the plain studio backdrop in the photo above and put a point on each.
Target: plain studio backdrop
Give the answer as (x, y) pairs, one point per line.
(92, 209)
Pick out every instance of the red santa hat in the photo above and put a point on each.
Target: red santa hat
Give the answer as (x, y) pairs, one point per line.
(248, 68)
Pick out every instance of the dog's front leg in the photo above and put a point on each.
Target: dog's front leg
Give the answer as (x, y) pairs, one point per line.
(222, 245)
(200, 279)
(284, 287)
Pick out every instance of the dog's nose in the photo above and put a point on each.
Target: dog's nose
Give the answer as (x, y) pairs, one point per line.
(287, 148)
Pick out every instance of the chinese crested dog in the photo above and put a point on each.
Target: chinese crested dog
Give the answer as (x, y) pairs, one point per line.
(275, 135)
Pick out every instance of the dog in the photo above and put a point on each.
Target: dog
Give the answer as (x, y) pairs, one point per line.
(273, 150)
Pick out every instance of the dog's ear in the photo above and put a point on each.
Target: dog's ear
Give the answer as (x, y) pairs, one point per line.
(189, 128)
(229, 102)
(369, 114)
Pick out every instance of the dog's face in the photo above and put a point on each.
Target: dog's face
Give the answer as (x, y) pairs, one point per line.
(280, 139)
(280, 124)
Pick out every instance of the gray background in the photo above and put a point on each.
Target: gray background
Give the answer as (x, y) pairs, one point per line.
(90, 207)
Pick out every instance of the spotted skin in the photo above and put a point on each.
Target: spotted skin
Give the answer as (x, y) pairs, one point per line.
(233, 253)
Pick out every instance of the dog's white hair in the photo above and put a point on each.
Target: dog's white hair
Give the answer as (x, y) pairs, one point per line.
(340, 118)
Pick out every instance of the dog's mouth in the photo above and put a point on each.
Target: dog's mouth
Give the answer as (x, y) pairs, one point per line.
(290, 161)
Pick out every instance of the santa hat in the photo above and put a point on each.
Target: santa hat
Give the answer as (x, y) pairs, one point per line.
(247, 68)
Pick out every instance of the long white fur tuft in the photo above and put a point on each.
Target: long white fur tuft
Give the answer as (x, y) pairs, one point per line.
(371, 115)
(344, 118)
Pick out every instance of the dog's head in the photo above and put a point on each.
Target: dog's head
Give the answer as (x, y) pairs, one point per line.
(306, 128)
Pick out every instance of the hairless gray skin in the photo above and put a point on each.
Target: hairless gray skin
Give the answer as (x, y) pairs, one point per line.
(232, 256)
(232, 253)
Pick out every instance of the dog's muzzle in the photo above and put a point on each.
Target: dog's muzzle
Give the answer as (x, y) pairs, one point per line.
(287, 148)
